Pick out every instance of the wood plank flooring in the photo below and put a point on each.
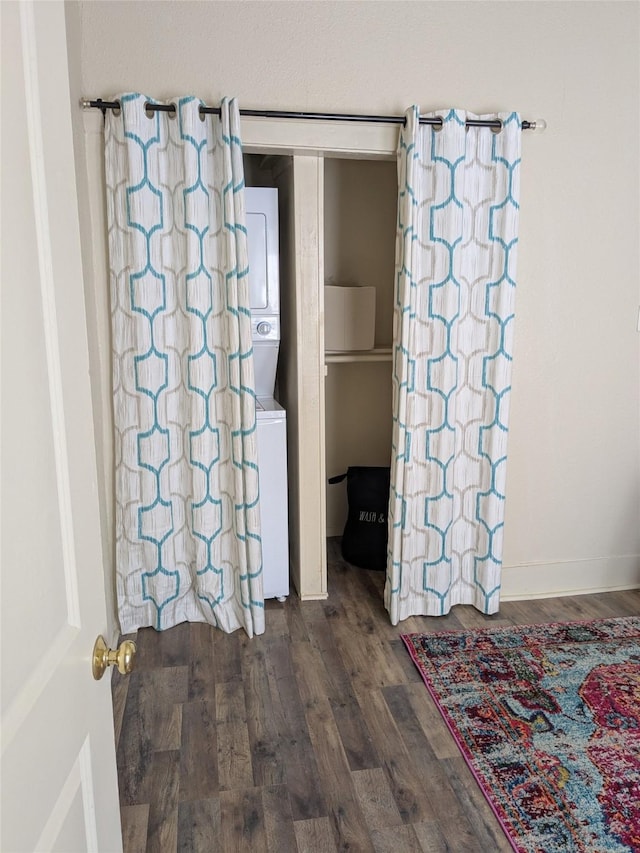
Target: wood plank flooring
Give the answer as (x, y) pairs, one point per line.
(317, 736)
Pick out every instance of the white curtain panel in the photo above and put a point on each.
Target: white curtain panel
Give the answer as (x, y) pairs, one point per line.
(453, 330)
(187, 503)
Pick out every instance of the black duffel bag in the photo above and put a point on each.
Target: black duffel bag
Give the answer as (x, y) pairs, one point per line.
(364, 541)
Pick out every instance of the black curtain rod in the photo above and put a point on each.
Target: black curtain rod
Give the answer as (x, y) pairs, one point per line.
(495, 124)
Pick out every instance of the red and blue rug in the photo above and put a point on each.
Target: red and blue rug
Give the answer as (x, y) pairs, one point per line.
(548, 719)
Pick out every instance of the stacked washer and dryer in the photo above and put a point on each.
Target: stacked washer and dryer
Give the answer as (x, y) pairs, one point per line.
(271, 419)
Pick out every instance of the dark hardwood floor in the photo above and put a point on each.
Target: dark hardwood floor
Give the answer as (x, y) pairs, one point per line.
(316, 736)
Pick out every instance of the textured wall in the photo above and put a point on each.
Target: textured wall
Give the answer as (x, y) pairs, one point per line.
(573, 482)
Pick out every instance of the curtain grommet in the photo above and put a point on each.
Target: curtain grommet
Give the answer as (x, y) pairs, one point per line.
(151, 109)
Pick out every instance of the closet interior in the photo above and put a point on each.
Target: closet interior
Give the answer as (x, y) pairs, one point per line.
(337, 224)
(360, 199)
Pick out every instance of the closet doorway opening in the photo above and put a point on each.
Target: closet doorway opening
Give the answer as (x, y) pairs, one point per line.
(360, 210)
(294, 155)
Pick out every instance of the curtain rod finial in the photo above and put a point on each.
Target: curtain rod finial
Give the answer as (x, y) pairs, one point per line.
(538, 124)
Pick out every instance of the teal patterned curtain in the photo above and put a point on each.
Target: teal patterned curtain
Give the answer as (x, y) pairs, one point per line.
(453, 330)
(187, 515)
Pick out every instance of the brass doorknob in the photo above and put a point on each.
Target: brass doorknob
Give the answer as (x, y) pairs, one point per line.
(123, 657)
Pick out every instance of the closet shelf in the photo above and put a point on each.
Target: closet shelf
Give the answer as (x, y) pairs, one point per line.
(341, 357)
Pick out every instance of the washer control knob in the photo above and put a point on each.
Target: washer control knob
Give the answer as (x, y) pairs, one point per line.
(263, 328)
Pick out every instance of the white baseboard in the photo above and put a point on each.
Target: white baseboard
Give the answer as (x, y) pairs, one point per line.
(570, 577)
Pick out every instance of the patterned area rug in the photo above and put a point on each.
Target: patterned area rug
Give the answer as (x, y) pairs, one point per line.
(548, 719)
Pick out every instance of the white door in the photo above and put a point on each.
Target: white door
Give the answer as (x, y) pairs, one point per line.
(59, 783)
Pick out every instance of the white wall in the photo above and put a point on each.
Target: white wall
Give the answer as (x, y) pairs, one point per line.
(573, 503)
